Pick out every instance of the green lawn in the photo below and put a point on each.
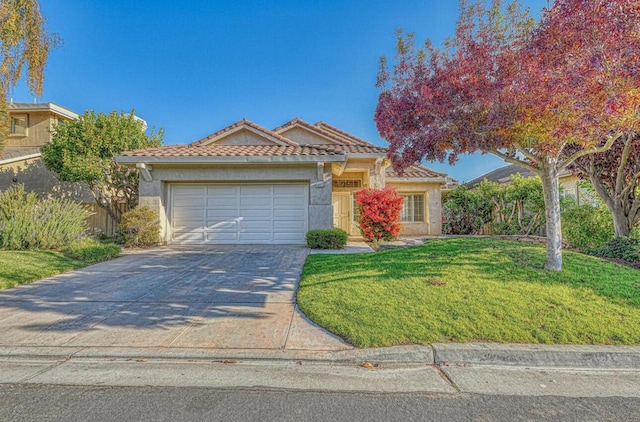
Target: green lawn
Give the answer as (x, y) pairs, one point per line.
(19, 267)
(464, 290)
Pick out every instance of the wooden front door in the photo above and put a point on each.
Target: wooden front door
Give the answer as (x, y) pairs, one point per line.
(342, 211)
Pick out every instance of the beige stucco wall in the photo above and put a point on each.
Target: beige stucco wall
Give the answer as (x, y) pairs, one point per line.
(372, 177)
(155, 194)
(432, 225)
(244, 137)
(304, 137)
(37, 131)
(36, 177)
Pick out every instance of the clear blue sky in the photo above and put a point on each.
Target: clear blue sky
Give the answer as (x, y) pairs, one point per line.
(193, 67)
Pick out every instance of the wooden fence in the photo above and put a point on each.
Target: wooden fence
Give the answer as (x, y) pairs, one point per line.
(99, 221)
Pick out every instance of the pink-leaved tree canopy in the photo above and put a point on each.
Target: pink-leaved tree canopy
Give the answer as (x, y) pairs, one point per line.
(540, 94)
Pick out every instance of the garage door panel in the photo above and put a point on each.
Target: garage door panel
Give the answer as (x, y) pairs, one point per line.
(223, 190)
(189, 201)
(256, 190)
(256, 225)
(288, 226)
(288, 202)
(222, 202)
(227, 213)
(292, 190)
(288, 214)
(183, 213)
(265, 213)
(186, 190)
(221, 225)
(187, 225)
(189, 236)
(253, 237)
(222, 213)
(258, 202)
(222, 237)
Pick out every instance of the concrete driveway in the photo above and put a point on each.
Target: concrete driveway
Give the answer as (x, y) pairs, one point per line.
(172, 298)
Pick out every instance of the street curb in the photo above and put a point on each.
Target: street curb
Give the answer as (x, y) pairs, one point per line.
(402, 355)
(529, 355)
(441, 354)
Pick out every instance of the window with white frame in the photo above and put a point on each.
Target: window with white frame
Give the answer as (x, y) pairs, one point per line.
(412, 208)
(19, 125)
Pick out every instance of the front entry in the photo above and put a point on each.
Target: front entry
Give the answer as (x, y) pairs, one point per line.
(342, 211)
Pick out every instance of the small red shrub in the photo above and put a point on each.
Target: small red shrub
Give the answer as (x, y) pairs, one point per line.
(379, 213)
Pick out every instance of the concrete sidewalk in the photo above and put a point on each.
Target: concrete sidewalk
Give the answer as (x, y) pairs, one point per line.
(402, 369)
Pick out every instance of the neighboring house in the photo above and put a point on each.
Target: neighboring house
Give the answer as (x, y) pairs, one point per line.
(249, 184)
(568, 182)
(21, 160)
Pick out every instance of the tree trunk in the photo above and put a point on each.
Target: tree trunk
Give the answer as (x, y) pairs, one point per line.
(621, 223)
(550, 187)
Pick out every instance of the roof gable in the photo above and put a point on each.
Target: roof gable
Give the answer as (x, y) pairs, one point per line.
(244, 132)
(305, 133)
(347, 137)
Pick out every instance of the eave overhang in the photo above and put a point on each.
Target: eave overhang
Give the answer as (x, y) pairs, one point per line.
(129, 160)
(21, 158)
(439, 180)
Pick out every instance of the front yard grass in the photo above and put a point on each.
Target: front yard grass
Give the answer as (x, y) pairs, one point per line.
(465, 290)
(19, 267)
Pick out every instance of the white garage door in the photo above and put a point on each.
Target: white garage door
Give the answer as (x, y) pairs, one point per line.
(239, 213)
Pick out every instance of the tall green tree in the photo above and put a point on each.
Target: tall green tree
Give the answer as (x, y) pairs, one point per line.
(82, 150)
(24, 42)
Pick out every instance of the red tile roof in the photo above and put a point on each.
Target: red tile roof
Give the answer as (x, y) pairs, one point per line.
(415, 171)
(213, 150)
(345, 144)
(312, 128)
(354, 149)
(347, 135)
(244, 122)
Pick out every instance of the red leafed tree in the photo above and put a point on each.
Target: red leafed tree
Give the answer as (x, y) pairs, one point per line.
(538, 94)
(379, 213)
(615, 176)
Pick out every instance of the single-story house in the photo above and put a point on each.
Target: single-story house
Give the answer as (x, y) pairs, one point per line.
(248, 184)
(21, 160)
(568, 182)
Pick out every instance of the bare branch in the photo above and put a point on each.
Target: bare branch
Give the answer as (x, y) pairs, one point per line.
(610, 140)
(513, 160)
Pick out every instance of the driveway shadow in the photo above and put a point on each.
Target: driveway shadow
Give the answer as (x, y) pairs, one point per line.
(156, 294)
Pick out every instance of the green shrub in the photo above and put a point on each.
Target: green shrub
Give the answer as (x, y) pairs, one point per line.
(586, 227)
(140, 227)
(27, 222)
(326, 239)
(90, 250)
(625, 248)
(466, 211)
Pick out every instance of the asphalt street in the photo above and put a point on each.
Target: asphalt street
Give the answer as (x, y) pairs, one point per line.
(22, 403)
